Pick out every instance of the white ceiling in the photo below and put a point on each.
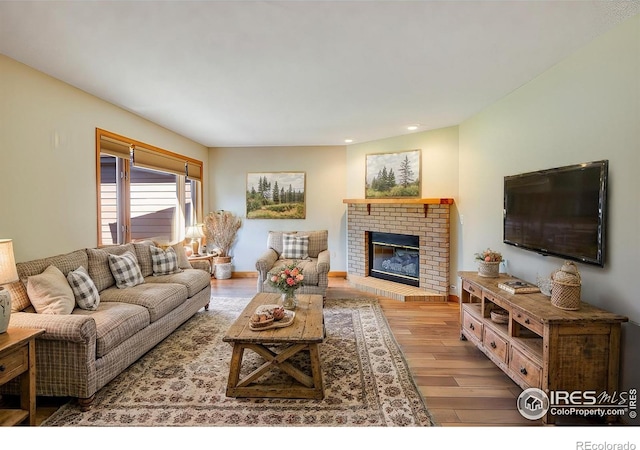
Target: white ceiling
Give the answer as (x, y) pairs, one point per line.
(247, 73)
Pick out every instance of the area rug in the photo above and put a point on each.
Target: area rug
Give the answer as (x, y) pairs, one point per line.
(182, 381)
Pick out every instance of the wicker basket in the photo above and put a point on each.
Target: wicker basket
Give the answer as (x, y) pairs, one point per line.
(565, 293)
(221, 259)
(565, 296)
(489, 269)
(499, 316)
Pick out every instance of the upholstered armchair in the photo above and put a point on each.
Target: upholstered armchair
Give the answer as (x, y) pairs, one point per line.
(309, 249)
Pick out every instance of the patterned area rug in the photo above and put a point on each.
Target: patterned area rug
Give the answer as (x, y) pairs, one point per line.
(182, 381)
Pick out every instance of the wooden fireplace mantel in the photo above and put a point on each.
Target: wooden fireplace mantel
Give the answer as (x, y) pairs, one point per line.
(405, 201)
(399, 201)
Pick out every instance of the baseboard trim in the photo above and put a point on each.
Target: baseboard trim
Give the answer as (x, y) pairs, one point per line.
(244, 275)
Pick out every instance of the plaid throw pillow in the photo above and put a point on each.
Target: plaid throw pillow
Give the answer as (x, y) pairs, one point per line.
(165, 262)
(84, 289)
(295, 246)
(125, 270)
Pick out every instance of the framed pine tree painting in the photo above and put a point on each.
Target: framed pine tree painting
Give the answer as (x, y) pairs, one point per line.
(276, 195)
(393, 175)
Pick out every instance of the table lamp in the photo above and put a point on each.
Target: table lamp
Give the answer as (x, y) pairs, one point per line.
(194, 233)
(8, 274)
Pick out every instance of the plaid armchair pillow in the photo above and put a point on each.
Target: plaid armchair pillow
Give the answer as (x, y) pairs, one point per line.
(295, 247)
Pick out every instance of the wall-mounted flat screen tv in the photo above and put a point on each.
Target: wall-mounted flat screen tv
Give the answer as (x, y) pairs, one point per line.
(559, 211)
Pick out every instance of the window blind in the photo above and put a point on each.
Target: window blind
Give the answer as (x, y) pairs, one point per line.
(150, 158)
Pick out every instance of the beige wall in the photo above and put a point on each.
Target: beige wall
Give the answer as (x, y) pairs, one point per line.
(585, 108)
(439, 152)
(325, 190)
(48, 187)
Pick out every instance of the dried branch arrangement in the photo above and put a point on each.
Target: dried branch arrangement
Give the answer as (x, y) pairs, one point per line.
(221, 228)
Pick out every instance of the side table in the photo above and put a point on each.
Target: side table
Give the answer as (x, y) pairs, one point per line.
(18, 359)
(209, 258)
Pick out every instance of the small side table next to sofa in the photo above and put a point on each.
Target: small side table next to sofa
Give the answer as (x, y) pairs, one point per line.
(18, 359)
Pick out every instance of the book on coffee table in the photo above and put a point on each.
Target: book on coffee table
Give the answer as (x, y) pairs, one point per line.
(516, 286)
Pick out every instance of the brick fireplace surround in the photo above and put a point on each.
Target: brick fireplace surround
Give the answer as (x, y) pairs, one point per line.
(426, 218)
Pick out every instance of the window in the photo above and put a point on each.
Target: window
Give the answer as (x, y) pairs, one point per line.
(144, 192)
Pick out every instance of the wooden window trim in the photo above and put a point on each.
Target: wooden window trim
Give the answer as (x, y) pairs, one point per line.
(119, 146)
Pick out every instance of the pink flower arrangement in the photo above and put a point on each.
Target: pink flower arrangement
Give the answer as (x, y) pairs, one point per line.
(287, 279)
(489, 256)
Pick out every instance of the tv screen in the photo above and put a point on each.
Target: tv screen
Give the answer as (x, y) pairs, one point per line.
(559, 212)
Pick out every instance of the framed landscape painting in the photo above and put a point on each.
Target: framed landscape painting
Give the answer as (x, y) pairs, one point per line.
(276, 195)
(393, 175)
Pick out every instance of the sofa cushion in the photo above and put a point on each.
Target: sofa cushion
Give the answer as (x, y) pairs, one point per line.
(158, 298)
(84, 289)
(115, 323)
(66, 263)
(143, 253)
(50, 292)
(194, 280)
(318, 242)
(125, 270)
(295, 246)
(99, 269)
(309, 269)
(165, 262)
(274, 240)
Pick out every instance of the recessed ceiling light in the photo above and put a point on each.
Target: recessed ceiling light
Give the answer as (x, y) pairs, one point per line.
(348, 141)
(413, 127)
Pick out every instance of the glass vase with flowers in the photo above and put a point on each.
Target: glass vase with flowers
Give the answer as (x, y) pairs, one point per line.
(287, 279)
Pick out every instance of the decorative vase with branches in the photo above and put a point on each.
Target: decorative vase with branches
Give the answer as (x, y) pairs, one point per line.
(221, 228)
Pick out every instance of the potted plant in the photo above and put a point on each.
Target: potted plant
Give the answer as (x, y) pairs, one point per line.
(221, 228)
(489, 263)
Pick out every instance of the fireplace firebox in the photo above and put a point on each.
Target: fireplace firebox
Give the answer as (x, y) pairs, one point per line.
(394, 257)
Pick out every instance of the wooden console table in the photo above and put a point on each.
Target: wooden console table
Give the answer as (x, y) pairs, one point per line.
(542, 346)
(18, 359)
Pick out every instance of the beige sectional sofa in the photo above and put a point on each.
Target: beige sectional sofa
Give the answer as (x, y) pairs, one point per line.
(82, 351)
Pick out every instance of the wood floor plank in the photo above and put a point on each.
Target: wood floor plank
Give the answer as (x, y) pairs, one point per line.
(460, 385)
(502, 416)
(474, 391)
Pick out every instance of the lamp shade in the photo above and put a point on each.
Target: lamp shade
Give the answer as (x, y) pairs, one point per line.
(8, 273)
(194, 232)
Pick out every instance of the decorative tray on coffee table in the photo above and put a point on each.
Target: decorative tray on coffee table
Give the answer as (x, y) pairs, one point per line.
(284, 322)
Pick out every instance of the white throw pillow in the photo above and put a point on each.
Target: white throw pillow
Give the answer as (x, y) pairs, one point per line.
(84, 289)
(183, 260)
(50, 292)
(125, 270)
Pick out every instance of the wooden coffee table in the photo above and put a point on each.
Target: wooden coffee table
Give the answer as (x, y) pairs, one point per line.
(305, 334)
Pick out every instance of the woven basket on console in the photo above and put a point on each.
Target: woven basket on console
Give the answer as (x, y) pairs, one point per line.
(566, 282)
(489, 269)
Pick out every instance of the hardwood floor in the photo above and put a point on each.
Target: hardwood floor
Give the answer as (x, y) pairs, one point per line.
(460, 385)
